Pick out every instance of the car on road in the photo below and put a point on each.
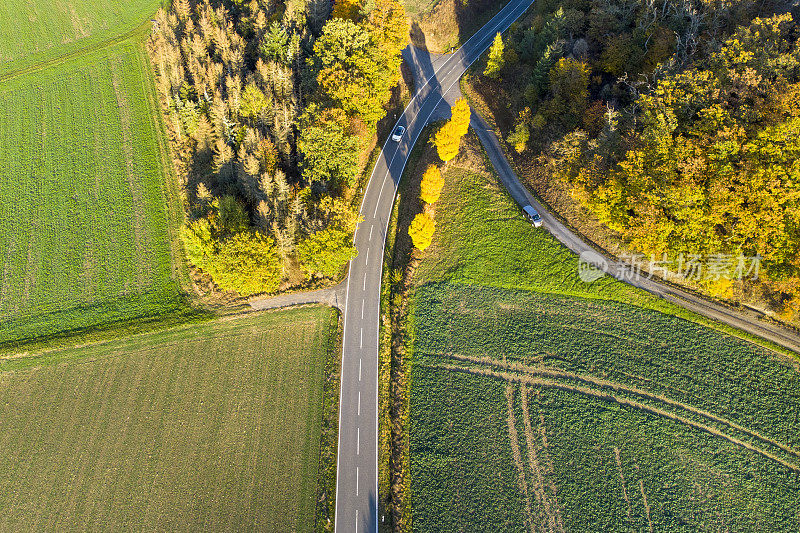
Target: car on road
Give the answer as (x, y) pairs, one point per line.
(532, 215)
(399, 131)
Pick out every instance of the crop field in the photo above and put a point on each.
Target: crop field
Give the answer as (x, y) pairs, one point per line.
(212, 427)
(87, 206)
(597, 407)
(36, 31)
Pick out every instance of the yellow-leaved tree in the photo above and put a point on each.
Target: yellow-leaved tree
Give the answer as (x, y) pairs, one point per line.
(421, 231)
(431, 186)
(461, 115)
(447, 141)
(346, 9)
(496, 60)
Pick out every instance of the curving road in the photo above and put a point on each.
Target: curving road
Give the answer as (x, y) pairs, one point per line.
(357, 465)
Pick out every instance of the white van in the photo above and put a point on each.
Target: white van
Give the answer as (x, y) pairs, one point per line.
(532, 216)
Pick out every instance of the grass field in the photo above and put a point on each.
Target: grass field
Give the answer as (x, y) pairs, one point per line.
(204, 427)
(88, 205)
(567, 406)
(37, 31)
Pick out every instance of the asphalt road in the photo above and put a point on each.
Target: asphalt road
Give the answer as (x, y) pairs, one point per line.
(357, 466)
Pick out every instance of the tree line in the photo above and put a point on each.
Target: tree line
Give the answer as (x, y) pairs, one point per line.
(270, 105)
(675, 121)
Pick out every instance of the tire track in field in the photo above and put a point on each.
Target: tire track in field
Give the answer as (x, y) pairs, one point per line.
(517, 455)
(646, 505)
(618, 387)
(546, 383)
(548, 502)
(622, 479)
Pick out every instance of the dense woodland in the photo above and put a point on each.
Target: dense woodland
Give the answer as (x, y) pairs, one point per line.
(677, 122)
(271, 104)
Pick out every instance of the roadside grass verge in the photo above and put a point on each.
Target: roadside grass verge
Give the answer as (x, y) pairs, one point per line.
(220, 425)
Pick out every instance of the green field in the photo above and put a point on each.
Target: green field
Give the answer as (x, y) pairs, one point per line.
(88, 204)
(541, 402)
(205, 427)
(37, 31)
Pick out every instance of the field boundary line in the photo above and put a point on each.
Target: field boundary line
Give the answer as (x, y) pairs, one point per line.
(539, 382)
(619, 387)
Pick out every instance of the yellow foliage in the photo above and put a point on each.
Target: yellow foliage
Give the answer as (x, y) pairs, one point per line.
(431, 186)
(447, 141)
(346, 9)
(720, 288)
(421, 231)
(461, 115)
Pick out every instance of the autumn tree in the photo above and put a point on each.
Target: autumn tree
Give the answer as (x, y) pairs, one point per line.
(569, 86)
(447, 141)
(237, 258)
(358, 64)
(448, 138)
(496, 60)
(519, 137)
(421, 231)
(431, 185)
(346, 9)
(253, 103)
(330, 151)
(326, 252)
(461, 114)
(247, 263)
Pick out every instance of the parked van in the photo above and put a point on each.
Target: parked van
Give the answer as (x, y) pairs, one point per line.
(532, 216)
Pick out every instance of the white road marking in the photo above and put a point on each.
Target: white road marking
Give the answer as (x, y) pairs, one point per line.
(462, 56)
(359, 369)
(362, 309)
(366, 260)
(356, 481)
(359, 403)
(361, 343)
(365, 281)
(370, 232)
(380, 193)
(358, 441)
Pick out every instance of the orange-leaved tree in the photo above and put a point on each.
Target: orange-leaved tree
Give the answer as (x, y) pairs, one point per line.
(431, 186)
(421, 230)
